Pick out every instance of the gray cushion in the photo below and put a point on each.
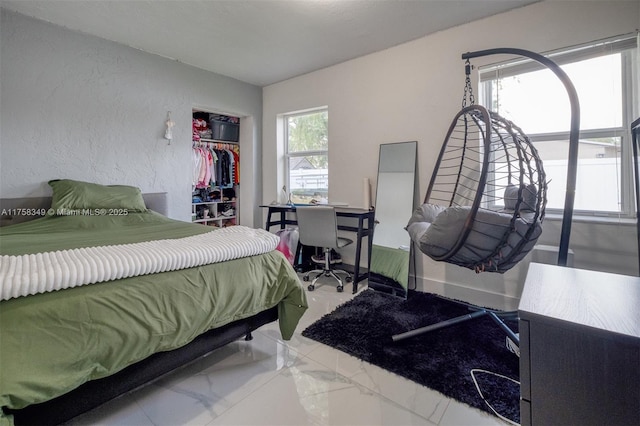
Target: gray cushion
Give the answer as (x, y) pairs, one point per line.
(487, 230)
(491, 242)
(529, 195)
(421, 219)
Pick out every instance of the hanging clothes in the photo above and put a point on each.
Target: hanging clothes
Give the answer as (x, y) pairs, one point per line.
(196, 161)
(203, 179)
(236, 169)
(215, 165)
(212, 169)
(224, 168)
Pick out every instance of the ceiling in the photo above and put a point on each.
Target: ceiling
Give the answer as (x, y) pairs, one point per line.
(261, 41)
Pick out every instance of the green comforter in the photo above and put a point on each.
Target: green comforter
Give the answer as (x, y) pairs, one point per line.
(53, 342)
(391, 263)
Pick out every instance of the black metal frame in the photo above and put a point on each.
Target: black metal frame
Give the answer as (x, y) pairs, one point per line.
(635, 141)
(569, 195)
(97, 392)
(572, 167)
(364, 228)
(475, 312)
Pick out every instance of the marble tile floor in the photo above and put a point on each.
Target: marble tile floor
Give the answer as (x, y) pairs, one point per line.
(268, 381)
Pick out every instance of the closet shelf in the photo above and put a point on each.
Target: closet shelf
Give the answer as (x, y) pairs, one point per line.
(212, 219)
(213, 202)
(216, 141)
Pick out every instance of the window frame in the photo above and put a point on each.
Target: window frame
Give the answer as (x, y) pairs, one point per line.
(288, 155)
(627, 46)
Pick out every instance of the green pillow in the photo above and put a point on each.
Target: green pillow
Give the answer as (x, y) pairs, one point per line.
(74, 195)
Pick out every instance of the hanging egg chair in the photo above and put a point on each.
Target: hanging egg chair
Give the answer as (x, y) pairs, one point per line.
(486, 199)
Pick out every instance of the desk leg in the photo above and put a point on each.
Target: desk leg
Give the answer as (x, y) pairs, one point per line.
(369, 235)
(356, 267)
(267, 225)
(296, 259)
(370, 227)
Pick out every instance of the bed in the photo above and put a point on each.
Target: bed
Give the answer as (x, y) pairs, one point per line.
(65, 351)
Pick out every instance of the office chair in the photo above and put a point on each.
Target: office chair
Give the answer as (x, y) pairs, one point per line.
(317, 226)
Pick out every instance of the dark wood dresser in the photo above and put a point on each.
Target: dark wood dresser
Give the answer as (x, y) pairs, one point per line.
(580, 347)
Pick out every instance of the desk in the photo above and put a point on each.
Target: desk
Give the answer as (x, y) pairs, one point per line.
(364, 228)
(579, 347)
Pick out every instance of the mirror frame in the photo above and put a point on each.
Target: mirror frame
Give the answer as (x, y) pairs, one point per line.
(378, 281)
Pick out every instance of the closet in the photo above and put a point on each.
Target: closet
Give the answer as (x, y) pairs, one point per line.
(216, 169)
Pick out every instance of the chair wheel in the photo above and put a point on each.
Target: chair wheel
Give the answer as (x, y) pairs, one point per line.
(305, 278)
(340, 289)
(349, 279)
(311, 287)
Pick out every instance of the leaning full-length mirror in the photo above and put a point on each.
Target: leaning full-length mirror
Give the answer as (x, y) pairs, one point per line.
(395, 195)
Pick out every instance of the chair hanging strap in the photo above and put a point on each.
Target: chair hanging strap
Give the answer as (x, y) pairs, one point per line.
(468, 88)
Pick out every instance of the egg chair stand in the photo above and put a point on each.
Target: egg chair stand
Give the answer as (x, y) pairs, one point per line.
(486, 199)
(635, 141)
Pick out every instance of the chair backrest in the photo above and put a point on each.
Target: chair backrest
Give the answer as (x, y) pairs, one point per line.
(317, 226)
(486, 167)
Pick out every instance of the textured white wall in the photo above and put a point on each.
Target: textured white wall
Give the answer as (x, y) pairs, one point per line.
(79, 107)
(412, 91)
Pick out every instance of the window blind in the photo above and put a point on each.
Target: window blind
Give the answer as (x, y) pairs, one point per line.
(563, 56)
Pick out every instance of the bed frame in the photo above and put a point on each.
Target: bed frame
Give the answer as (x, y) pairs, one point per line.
(94, 393)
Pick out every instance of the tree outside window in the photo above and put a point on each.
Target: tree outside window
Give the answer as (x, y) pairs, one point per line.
(307, 139)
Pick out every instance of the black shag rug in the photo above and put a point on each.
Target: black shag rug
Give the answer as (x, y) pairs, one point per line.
(441, 359)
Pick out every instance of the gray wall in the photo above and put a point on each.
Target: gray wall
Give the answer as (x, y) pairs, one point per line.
(79, 107)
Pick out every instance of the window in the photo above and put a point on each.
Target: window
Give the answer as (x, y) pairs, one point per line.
(307, 144)
(534, 98)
